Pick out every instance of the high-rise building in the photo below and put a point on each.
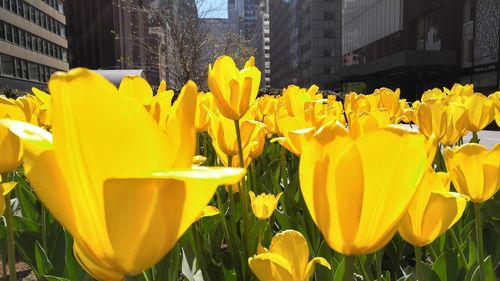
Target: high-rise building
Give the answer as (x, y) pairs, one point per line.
(480, 57)
(279, 51)
(33, 42)
(117, 34)
(313, 35)
(420, 44)
(232, 15)
(261, 43)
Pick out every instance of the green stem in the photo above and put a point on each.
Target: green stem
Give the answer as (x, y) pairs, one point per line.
(460, 251)
(479, 236)
(243, 191)
(227, 236)
(349, 268)
(11, 254)
(418, 262)
(380, 256)
(44, 228)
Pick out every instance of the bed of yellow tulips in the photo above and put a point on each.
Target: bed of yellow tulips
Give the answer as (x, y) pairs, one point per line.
(124, 183)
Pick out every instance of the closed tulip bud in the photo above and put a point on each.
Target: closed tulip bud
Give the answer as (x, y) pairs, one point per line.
(433, 210)
(234, 90)
(5, 188)
(480, 112)
(287, 259)
(474, 170)
(264, 205)
(357, 189)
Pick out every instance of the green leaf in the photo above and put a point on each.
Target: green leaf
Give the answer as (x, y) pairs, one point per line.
(55, 278)
(340, 272)
(43, 264)
(22, 224)
(447, 266)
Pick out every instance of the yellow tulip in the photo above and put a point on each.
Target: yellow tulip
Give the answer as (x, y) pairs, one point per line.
(266, 106)
(257, 145)
(480, 112)
(10, 146)
(136, 88)
(223, 133)
(286, 260)
(357, 189)
(433, 94)
(44, 113)
(204, 103)
(125, 190)
(297, 98)
(446, 120)
(433, 210)
(460, 90)
(160, 107)
(474, 170)
(264, 204)
(234, 90)
(5, 188)
(496, 99)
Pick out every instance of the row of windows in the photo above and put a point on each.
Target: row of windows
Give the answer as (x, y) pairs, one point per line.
(56, 4)
(23, 69)
(30, 41)
(27, 11)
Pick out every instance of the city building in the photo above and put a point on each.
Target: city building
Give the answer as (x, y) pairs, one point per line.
(261, 43)
(416, 45)
(280, 73)
(313, 30)
(480, 58)
(33, 42)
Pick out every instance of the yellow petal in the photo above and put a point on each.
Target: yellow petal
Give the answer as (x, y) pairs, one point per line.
(292, 246)
(270, 267)
(94, 268)
(312, 263)
(169, 201)
(136, 88)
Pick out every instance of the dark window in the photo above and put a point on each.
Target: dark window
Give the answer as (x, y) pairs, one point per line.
(327, 53)
(32, 13)
(328, 15)
(28, 41)
(328, 33)
(26, 12)
(15, 35)
(39, 43)
(8, 32)
(24, 67)
(22, 38)
(17, 66)
(37, 17)
(2, 30)
(13, 6)
(33, 71)
(7, 65)
(327, 70)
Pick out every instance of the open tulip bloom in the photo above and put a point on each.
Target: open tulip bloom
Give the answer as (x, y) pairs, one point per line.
(121, 186)
(357, 189)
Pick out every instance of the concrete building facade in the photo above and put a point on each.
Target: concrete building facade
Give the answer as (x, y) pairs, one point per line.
(33, 42)
(314, 42)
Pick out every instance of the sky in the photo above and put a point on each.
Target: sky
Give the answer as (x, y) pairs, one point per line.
(216, 8)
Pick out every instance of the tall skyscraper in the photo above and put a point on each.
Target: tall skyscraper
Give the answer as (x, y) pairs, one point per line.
(312, 35)
(33, 42)
(261, 43)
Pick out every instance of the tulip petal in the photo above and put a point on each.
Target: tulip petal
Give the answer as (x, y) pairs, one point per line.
(139, 205)
(270, 267)
(292, 246)
(310, 266)
(94, 268)
(136, 88)
(394, 161)
(43, 171)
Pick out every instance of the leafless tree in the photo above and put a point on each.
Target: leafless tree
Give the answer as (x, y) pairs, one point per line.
(181, 41)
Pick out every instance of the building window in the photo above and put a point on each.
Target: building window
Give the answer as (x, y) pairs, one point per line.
(33, 71)
(8, 32)
(17, 67)
(15, 35)
(328, 33)
(327, 70)
(328, 15)
(327, 53)
(2, 31)
(24, 67)
(22, 37)
(7, 65)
